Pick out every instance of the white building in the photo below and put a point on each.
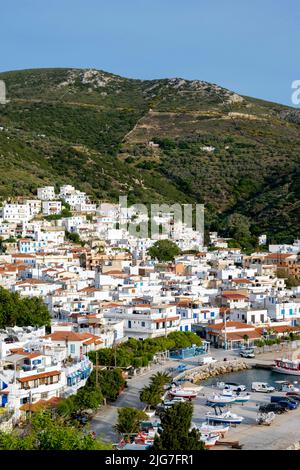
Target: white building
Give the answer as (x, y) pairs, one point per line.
(15, 212)
(47, 193)
(51, 207)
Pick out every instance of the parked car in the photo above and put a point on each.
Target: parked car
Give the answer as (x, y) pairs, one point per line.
(247, 353)
(289, 403)
(274, 407)
(206, 360)
(234, 387)
(293, 395)
(262, 387)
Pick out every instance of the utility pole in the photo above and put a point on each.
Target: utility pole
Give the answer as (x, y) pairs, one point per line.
(97, 370)
(225, 335)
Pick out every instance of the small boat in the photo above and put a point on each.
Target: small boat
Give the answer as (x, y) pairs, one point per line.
(146, 438)
(210, 428)
(178, 392)
(287, 366)
(238, 397)
(226, 418)
(220, 400)
(209, 439)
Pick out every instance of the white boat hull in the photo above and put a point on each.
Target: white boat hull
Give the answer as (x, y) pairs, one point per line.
(183, 394)
(282, 370)
(217, 400)
(225, 418)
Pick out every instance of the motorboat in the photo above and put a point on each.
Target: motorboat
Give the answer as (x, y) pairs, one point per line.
(238, 397)
(146, 438)
(179, 392)
(209, 439)
(226, 417)
(287, 366)
(220, 400)
(210, 428)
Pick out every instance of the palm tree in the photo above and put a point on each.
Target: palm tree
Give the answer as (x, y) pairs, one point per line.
(160, 379)
(246, 339)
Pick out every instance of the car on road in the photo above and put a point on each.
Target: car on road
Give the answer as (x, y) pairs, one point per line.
(275, 407)
(247, 353)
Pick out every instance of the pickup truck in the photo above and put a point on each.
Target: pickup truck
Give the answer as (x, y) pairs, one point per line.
(272, 407)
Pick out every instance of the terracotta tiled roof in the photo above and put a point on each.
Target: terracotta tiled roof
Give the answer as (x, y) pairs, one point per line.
(39, 376)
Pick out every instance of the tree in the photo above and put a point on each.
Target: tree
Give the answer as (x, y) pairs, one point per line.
(128, 420)
(74, 238)
(26, 311)
(164, 250)
(176, 434)
(46, 431)
(290, 281)
(111, 383)
(160, 379)
(151, 395)
(88, 398)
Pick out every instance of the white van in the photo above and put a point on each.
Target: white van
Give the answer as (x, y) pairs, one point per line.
(206, 360)
(262, 387)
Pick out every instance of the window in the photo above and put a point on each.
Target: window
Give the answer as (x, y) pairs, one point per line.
(129, 323)
(72, 348)
(143, 323)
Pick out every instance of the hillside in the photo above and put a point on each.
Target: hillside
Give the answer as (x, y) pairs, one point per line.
(236, 154)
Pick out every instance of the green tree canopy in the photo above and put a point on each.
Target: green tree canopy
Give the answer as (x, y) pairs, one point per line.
(164, 250)
(17, 311)
(128, 420)
(48, 432)
(176, 434)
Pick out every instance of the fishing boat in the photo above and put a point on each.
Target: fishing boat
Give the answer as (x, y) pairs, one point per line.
(178, 392)
(226, 418)
(146, 438)
(209, 439)
(210, 428)
(287, 366)
(238, 397)
(220, 400)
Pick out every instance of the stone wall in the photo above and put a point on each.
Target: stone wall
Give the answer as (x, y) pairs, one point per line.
(213, 370)
(287, 346)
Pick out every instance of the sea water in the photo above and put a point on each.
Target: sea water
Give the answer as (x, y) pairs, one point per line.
(246, 377)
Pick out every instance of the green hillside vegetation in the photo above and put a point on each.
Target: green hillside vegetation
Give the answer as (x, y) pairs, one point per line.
(92, 129)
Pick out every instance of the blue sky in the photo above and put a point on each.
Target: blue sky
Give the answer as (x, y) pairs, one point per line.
(250, 46)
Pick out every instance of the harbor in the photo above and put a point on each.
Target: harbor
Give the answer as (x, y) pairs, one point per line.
(283, 431)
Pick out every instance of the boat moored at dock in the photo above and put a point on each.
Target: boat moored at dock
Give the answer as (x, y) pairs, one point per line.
(287, 366)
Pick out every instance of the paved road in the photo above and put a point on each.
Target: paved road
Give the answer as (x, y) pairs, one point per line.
(103, 422)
